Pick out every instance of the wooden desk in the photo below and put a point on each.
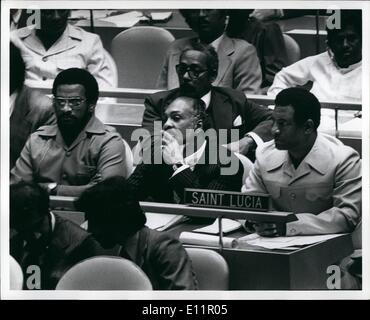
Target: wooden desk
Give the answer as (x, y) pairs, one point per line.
(260, 269)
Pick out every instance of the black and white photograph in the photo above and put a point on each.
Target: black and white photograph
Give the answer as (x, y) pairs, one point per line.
(184, 150)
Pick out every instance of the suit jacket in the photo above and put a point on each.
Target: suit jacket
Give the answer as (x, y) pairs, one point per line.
(156, 182)
(31, 111)
(69, 244)
(162, 258)
(266, 37)
(225, 107)
(238, 65)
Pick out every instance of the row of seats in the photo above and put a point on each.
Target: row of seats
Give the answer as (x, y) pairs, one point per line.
(116, 273)
(144, 48)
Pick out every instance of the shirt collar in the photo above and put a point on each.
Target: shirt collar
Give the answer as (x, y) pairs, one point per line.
(216, 43)
(343, 70)
(192, 159)
(207, 99)
(314, 158)
(93, 126)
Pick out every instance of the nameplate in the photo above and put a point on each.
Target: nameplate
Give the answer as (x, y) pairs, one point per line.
(226, 199)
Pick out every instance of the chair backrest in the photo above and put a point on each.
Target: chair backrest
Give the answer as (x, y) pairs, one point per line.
(247, 165)
(105, 273)
(210, 268)
(292, 48)
(139, 53)
(16, 275)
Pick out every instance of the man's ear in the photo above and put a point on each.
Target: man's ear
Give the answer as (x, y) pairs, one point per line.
(309, 126)
(91, 107)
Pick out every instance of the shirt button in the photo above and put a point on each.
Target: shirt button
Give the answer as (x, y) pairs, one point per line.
(44, 59)
(64, 176)
(292, 196)
(293, 231)
(68, 153)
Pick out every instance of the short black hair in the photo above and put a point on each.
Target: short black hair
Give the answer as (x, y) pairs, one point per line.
(305, 104)
(211, 55)
(78, 76)
(112, 200)
(17, 68)
(351, 18)
(27, 198)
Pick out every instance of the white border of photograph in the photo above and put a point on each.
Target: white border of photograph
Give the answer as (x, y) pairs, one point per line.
(155, 295)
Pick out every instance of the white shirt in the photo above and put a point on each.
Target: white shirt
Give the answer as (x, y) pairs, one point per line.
(76, 48)
(191, 160)
(329, 81)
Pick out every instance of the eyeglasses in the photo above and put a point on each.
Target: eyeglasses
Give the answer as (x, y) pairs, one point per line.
(72, 102)
(193, 71)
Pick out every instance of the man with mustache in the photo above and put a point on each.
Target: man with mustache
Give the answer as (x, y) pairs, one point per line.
(42, 239)
(306, 172)
(225, 108)
(79, 150)
(239, 67)
(335, 74)
(56, 45)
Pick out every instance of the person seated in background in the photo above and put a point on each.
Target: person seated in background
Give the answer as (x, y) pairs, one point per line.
(226, 108)
(57, 45)
(40, 238)
(187, 158)
(335, 74)
(308, 173)
(116, 220)
(271, 14)
(267, 39)
(28, 109)
(78, 151)
(239, 66)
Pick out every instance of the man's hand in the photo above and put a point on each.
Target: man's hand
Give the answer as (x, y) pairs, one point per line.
(242, 146)
(266, 229)
(171, 149)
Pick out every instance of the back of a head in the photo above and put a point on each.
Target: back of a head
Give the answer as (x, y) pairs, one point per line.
(305, 104)
(78, 76)
(111, 200)
(28, 202)
(17, 68)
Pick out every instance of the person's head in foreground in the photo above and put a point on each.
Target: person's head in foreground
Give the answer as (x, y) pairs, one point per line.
(112, 212)
(29, 214)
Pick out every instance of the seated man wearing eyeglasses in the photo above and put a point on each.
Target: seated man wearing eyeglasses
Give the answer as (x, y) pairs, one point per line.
(239, 64)
(226, 108)
(78, 151)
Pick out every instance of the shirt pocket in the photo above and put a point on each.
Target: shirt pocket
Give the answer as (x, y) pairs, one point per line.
(319, 193)
(69, 62)
(85, 174)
